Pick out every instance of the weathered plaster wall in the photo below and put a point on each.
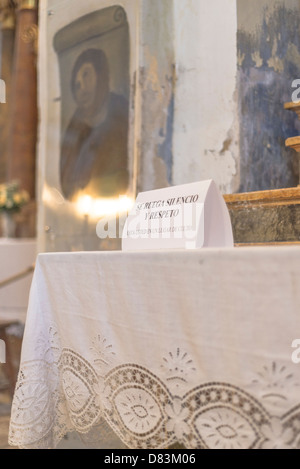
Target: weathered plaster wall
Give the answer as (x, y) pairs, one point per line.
(208, 83)
(205, 125)
(157, 93)
(188, 90)
(268, 42)
(183, 103)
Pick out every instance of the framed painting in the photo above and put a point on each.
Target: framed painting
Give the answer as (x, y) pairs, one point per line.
(88, 142)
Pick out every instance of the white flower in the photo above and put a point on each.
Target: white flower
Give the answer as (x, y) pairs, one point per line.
(177, 414)
(276, 436)
(12, 198)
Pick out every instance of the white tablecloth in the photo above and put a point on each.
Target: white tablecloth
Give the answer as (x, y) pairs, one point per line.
(16, 255)
(182, 346)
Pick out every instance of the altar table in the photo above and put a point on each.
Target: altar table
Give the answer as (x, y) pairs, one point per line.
(16, 255)
(174, 347)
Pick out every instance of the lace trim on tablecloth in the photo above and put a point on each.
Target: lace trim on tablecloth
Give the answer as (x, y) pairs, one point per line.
(64, 393)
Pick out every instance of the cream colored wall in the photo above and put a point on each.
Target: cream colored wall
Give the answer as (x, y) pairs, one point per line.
(189, 118)
(183, 103)
(206, 135)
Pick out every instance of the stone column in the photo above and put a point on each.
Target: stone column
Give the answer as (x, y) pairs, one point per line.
(23, 130)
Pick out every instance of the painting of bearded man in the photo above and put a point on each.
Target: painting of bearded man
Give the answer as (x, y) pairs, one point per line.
(94, 150)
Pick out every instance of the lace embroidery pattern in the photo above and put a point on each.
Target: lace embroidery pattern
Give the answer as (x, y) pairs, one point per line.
(35, 398)
(68, 393)
(79, 382)
(177, 367)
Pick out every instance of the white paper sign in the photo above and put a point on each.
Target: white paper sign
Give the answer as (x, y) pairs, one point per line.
(181, 217)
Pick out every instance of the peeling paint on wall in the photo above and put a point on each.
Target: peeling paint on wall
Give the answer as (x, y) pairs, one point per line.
(157, 93)
(189, 122)
(165, 150)
(222, 161)
(157, 129)
(205, 131)
(226, 164)
(268, 62)
(256, 59)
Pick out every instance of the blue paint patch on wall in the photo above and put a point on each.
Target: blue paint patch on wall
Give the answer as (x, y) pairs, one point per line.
(267, 69)
(165, 149)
